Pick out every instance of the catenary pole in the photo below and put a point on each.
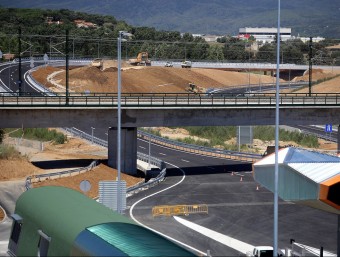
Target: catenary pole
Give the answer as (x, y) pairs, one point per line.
(277, 109)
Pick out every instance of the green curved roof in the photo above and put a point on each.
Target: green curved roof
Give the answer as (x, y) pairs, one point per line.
(79, 225)
(61, 212)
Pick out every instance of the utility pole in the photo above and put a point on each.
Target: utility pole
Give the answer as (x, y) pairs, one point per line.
(66, 51)
(19, 55)
(310, 65)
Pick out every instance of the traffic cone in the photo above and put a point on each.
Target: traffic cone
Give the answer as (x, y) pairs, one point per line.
(232, 173)
(241, 179)
(257, 188)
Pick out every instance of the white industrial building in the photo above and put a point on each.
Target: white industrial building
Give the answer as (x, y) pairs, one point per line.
(265, 35)
(305, 177)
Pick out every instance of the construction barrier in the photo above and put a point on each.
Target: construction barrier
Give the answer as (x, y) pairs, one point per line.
(174, 210)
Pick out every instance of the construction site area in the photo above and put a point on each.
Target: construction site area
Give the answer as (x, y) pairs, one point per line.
(135, 79)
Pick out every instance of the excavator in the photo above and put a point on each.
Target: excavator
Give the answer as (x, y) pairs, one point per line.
(142, 59)
(195, 89)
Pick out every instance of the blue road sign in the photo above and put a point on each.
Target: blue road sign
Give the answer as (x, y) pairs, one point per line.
(328, 128)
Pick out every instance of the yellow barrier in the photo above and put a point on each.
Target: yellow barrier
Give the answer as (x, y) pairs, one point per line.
(173, 210)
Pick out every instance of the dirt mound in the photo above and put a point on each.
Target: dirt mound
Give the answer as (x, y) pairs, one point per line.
(102, 172)
(17, 169)
(111, 69)
(143, 79)
(317, 74)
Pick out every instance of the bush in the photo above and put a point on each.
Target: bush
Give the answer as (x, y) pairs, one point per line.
(41, 134)
(60, 139)
(8, 152)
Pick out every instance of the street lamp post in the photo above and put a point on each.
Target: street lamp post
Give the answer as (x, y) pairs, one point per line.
(277, 108)
(119, 58)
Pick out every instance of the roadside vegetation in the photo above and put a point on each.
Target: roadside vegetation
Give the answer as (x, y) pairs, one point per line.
(8, 152)
(41, 134)
(221, 137)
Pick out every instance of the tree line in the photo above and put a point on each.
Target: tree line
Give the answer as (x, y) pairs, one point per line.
(38, 37)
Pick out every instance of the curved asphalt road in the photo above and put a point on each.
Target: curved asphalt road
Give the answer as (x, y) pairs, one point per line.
(236, 208)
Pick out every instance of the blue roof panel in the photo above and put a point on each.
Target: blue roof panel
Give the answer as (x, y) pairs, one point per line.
(296, 155)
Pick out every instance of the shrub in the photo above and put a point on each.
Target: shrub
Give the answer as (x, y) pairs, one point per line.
(8, 152)
(41, 134)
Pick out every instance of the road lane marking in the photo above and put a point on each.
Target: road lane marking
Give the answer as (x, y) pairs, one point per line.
(184, 160)
(221, 238)
(172, 239)
(162, 154)
(142, 147)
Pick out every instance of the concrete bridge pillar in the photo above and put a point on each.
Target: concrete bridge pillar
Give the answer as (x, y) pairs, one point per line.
(128, 150)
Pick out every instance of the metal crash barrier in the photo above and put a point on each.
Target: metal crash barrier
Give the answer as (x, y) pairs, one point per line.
(174, 210)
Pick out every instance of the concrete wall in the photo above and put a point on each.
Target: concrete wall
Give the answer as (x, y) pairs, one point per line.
(152, 117)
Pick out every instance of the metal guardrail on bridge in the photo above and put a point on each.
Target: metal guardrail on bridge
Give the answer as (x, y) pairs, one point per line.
(170, 100)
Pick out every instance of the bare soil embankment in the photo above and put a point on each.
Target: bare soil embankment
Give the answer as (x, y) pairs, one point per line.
(146, 79)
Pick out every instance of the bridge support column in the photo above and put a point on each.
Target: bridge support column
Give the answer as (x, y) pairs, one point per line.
(128, 150)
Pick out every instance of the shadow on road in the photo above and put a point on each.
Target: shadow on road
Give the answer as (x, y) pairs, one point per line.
(62, 164)
(211, 169)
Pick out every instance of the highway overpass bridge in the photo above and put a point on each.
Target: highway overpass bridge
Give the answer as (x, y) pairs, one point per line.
(154, 110)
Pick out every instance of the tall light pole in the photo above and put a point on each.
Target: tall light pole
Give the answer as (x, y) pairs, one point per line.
(277, 108)
(119, 58)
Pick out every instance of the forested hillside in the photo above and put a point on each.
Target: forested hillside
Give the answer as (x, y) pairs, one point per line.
(43, 31)
(223, 17)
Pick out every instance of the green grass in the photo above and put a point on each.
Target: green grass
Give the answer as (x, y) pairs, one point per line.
(8, 152)
(218, 135)
(41, 134)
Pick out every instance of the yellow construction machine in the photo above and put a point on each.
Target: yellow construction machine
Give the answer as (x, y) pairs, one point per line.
(142, 59)
(195, 89)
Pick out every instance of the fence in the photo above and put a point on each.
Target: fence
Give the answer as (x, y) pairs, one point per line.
(174, 210)
(199, 149)
(54, 175)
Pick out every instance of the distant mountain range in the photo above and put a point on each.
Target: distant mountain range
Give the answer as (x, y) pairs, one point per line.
(222, 17)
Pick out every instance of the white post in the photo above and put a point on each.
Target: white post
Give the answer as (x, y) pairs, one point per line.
(119, 119)
(277, 108)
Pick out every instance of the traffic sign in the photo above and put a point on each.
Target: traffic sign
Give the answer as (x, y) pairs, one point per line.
(328, 128)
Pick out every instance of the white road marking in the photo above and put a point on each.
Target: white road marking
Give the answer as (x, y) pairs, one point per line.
(172, 239)
(142, 147)
(184, 160)
(223, 239)
(162, 154)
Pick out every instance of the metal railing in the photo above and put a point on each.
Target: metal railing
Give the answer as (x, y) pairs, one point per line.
(251, 100)
(151, 183)
(199, 149)
(81, 134)
(54, 175)
(140, 156)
